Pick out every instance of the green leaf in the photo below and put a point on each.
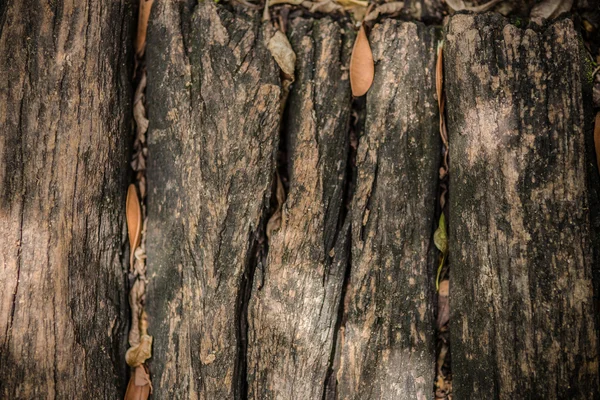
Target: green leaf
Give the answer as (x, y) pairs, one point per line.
(440, 237)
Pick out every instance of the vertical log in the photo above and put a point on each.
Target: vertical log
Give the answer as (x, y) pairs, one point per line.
(520, 233)
(387, 340)
(214, 99)
(65, 121)
(296, 294)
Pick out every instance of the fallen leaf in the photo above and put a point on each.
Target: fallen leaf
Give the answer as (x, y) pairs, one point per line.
(548, 9)
(282, 52)
(325, 6)
(440, 237)
(597, 139)
(385, 9)
(443, 315)
(458, 5)
(134, 221)
(351, 3)
(137, 355)
(362, 68)
(143, 16)
(140, 386)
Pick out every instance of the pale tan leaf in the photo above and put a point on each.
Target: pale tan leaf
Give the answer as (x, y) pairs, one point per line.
(440, 238)
(550, 9)
(385, 9)
(143, 16)
(325, 6)
(351, 3)
(137, 355)
(134, 221)
(458, 5)
(362, 68)
(282, 52)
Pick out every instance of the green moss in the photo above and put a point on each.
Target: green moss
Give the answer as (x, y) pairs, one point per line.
(518, 22)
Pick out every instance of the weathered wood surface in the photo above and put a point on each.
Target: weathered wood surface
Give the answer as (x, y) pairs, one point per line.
(387, 336)
(294, 305)
(65, 128)
(214, 100)
(520, 234)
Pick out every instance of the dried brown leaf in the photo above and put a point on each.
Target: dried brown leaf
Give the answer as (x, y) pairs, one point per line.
(134, 221)
(140, 386)
(362, 68)
(385, 9)
(352, 3)
(282, 52)
(137, 355)
(325, 6)
(443, 305)
(143, 16)
(550, 9)
(458, 5)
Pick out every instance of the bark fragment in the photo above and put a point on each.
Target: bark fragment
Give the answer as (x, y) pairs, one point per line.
(213, 97)
(521, 246)
(387, 339)
(64, 115)
(296, 293)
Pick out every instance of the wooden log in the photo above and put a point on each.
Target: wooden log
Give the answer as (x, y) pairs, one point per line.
(387, 337)
(296, 294)
(521, 238)
(65, 115)
(214, 101)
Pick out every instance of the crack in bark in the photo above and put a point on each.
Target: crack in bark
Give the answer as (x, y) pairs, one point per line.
(356, 125)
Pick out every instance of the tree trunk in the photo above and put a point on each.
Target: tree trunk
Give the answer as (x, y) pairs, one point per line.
(521, 237)
(296, 294)
(214, 102)
(65, 106)
(387, 339)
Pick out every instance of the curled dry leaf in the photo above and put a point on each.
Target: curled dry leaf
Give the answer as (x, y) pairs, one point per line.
(325, 6)
(134, 221)
(443, 305)
(144, 14)
(347, 4)
(137, 355)
(597, 139)
(458, 5)
(440, 238)
(549, 9)
(385, 9)
(282, 52)
(139, 387)
(362, 68)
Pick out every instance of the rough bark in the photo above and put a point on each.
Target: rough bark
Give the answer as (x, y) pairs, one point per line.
(387, 338)
(520, 233)
(296, 294)
(65, 118)
(214, 100)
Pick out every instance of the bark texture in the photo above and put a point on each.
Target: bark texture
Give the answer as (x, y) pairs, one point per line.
(65, 118)
(214, 100)
(296, 294)
(521, 240)
(387, 337)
